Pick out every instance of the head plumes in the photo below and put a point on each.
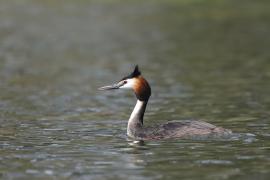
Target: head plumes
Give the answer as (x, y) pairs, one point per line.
(136, 72)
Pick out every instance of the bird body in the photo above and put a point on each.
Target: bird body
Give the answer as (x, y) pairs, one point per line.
(172, 129)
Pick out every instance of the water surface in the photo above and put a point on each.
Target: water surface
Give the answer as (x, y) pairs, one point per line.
(205, 60)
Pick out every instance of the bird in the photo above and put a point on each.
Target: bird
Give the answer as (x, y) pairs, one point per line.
(177, 129)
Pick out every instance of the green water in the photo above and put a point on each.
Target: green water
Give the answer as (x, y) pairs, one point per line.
(205, 60)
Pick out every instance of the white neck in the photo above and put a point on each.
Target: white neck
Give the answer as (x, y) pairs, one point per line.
(135, 121)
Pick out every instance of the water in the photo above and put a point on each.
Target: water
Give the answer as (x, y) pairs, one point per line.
(205, 60)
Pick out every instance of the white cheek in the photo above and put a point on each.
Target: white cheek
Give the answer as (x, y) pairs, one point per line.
(128, 85)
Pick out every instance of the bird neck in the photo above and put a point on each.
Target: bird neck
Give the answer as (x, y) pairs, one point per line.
(135, 121)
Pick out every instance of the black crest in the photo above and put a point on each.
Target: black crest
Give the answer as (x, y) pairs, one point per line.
(135, 73)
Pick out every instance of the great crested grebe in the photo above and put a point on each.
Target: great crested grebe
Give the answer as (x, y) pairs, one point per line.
(172, 129)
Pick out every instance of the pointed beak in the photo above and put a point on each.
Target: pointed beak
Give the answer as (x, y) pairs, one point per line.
(114, 86)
